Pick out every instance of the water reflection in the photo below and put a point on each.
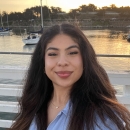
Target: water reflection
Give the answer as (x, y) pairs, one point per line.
(29, 48)
(104, 42)
(112, 34)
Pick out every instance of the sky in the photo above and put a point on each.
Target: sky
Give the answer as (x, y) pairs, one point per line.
(66, 5)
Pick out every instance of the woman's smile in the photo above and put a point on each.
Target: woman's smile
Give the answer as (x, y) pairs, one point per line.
(64, 74)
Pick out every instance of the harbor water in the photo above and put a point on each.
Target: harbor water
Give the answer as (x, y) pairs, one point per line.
(108, 42)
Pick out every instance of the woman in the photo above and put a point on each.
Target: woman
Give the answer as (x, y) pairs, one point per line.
(66, 88)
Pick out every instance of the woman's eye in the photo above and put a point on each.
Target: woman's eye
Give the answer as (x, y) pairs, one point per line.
(52, 54)
(73, 53)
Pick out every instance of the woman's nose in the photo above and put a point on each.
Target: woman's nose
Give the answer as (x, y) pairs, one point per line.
(62, 61)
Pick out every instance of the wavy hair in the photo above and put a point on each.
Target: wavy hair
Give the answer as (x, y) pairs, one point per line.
(92, 93)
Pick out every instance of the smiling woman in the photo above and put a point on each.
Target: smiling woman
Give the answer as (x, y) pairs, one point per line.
(66, 87)
(63, 61)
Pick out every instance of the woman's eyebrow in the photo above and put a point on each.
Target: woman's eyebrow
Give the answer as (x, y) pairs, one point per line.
(73, 46)
(53, 48)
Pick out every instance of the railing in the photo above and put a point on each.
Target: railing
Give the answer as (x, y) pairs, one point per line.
(15, 90)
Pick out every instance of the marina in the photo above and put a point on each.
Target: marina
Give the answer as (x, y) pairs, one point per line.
(108, 42)
(112, 50)
(106, 26)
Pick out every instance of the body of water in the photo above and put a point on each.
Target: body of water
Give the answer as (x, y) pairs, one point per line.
(110, 42)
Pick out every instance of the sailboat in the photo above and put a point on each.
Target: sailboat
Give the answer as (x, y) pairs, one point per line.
(5, 31)
(34, 37)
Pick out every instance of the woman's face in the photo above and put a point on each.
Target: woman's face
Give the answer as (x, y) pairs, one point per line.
(63, 61)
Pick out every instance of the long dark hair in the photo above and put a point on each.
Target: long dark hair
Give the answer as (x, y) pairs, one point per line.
(91, 95)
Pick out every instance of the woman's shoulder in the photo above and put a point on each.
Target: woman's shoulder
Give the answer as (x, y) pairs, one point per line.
(33, 125)
(107, 124)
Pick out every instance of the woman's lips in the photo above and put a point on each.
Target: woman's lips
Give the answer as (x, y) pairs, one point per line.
(64, 74)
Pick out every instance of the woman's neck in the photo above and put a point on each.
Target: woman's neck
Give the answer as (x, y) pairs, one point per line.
(60, 96)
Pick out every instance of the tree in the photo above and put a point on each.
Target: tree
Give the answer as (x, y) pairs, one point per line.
(28, 14)
(36, 11)
(113, 6)
(46, 12)
(83, 8)
(92, 7)
(4, 16)
(74, 13)
(55, 10)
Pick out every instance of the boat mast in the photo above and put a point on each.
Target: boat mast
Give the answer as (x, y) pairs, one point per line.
(41, 15)
(1, 20)
(7, 21)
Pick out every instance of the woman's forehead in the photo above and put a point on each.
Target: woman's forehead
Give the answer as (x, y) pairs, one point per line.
(62, 40)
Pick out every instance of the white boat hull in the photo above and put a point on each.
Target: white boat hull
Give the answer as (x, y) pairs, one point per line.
(31, 41)
(2, 33)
